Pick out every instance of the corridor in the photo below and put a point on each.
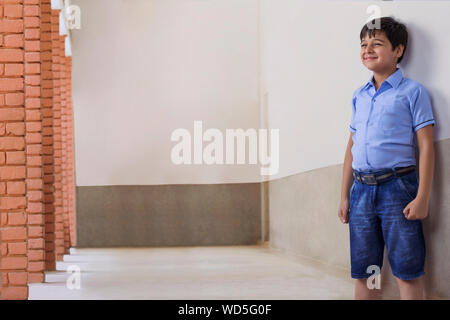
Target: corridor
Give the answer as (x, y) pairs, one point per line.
(216, 272)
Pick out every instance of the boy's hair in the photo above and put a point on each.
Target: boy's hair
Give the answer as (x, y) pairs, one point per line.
(395, 31)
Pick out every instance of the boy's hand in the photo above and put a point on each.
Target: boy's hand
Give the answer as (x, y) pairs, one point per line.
(416, 209)
(343, 210)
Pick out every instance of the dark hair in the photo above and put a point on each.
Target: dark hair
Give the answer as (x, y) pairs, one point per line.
(395, 31)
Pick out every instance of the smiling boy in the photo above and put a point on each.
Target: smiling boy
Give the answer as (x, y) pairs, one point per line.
(383, 198)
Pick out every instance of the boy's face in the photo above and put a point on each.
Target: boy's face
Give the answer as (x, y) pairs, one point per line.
(377, 54)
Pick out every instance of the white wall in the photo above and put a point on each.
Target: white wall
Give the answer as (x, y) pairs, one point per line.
(143, 68)
(312, 66)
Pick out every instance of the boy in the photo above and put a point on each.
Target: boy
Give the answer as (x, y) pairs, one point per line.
(387, 199)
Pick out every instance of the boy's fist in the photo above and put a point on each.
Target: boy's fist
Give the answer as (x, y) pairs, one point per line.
(343, 210)
(416, 209)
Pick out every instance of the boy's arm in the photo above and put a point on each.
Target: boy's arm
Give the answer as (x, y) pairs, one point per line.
(426, 161)
(347, 176)
(418, 208)
(347, 180)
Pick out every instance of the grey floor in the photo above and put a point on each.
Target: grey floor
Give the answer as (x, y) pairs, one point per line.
(223, 272)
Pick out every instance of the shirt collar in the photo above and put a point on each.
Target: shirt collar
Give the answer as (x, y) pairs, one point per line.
(394, 79)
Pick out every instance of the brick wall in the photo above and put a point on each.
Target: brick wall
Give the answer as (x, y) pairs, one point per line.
(37, 214)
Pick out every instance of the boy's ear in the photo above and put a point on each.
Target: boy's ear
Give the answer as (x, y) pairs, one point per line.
(399, 50)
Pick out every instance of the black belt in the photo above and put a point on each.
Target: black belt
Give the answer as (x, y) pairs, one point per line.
(374, 178)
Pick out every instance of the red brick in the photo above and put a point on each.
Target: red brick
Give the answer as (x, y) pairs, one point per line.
(32, 57)
(33, 91)
(11, 114)
(32, 34)
(2, 188)
(33, 115)
(16, 218)
(15, 157)
(14, 233)
(34, 149)
(36, 277)
(35, 207)
(15, 187)
(36, 255)
(12, 143)
(15, 293)
(29, 2)
(34, 172)
(35, 231)
(17, 247)
(30, 11)
(15, 128)
(33, 103)
(36, 266)
(33, 80)
(34, 126)
(34, 195)
(11, 55)
(36, 243)
(13, 11)
(31, 22)
(34, 184)
(14, 41)
(14, 99)
(11, 84)
(35, 219)
(46, 141)
(13, 69)
(12, 173)
(9, 203)
(47, 150)
(17, 278)
(34, 161)
(32, 67)
(11, 26)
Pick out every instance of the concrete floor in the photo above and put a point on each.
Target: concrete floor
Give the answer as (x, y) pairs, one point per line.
(223, 272)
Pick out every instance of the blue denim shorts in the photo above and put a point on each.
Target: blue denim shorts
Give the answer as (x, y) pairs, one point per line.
(376, 220)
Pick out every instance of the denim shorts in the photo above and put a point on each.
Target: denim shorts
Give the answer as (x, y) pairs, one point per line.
(376, 220)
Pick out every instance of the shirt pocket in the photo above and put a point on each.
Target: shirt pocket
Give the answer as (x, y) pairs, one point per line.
(395, 117)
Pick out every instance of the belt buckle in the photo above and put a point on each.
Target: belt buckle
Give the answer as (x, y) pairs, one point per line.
(369, 179)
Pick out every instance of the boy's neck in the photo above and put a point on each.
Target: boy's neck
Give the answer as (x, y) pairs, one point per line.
(379, 77)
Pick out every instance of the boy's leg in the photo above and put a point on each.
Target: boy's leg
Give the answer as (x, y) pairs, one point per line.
(404, 238)
(366, 240)
(362, 292)
(411, 289)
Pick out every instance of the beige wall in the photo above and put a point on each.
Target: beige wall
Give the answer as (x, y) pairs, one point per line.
(312, 68)
(144, 68)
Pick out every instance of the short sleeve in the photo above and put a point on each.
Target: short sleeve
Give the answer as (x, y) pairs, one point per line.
(422, 114)
(352, 121)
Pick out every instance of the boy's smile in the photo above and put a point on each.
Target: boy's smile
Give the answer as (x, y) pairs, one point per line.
(377, 54)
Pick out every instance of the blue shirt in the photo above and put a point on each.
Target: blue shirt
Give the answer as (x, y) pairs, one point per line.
(384, 122)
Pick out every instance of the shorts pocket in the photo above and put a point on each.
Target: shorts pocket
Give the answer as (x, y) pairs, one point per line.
(352, 195)
(409, 184)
